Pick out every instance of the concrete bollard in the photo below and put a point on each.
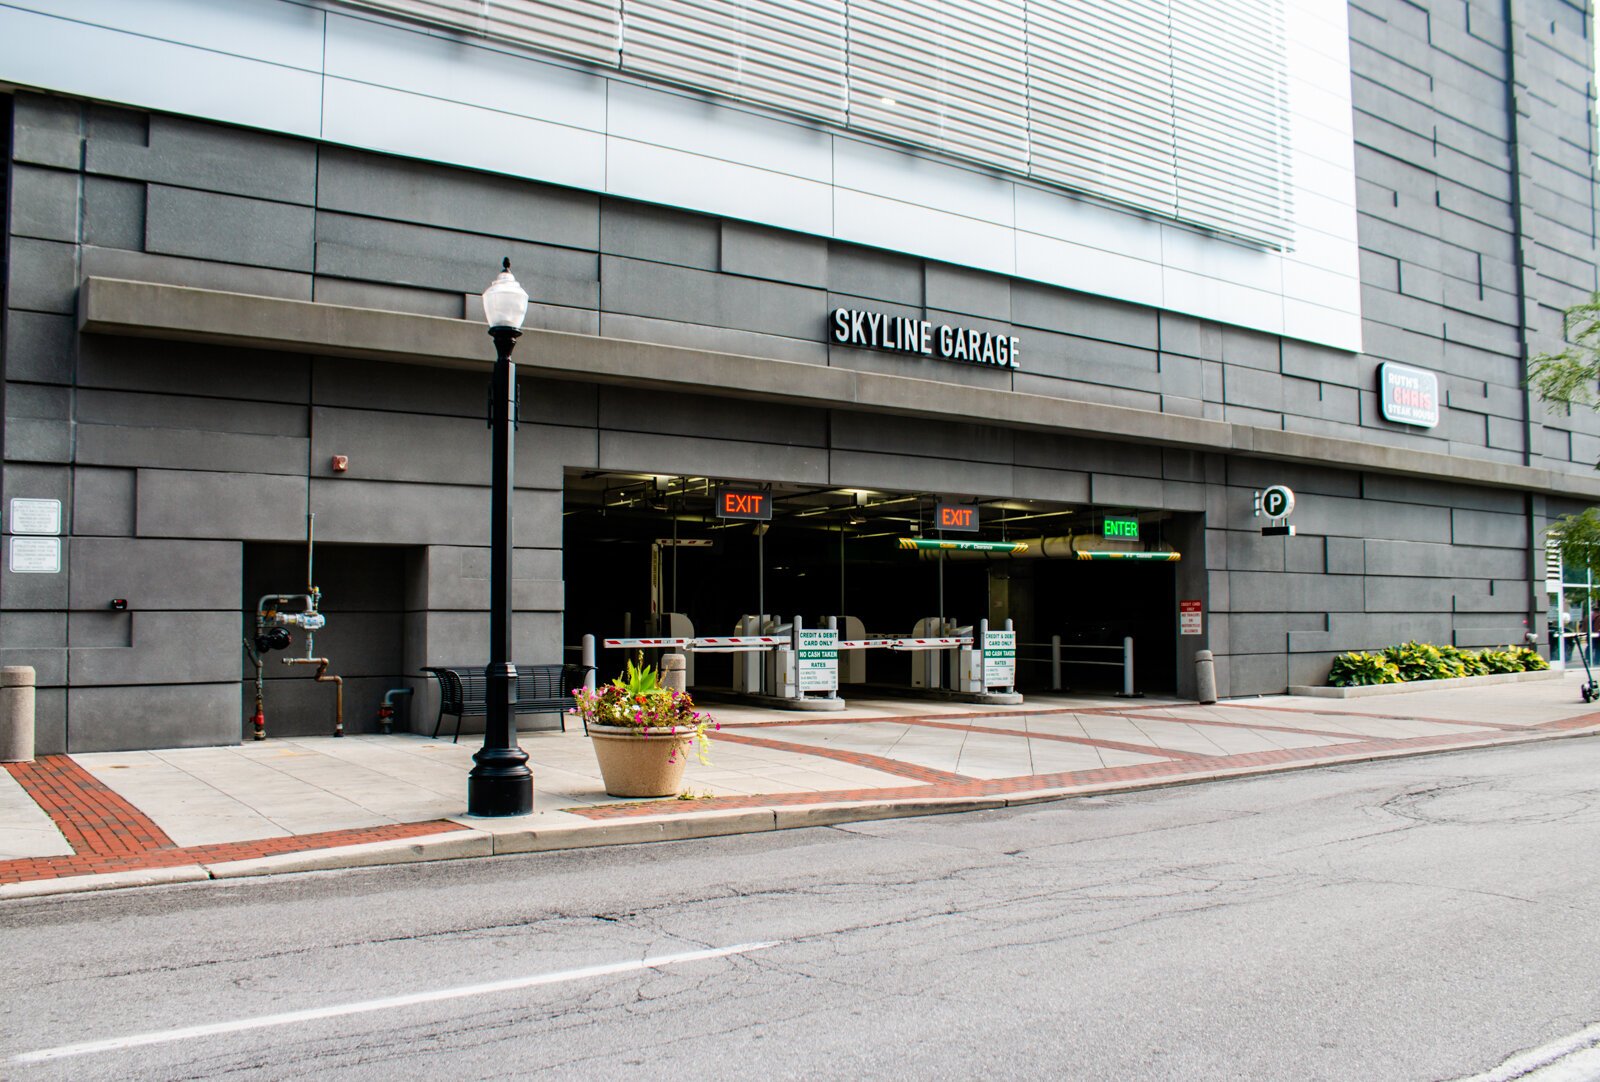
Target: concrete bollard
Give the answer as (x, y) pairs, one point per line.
(1205, 676)
(16, 714)
(672, 674)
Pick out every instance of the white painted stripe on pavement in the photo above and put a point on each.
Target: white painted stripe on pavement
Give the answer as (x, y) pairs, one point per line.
(1547, 1061)
(387, 1003)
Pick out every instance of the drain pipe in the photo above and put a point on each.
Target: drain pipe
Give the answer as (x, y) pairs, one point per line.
(386, 710)
(322, 677)
(260, 718)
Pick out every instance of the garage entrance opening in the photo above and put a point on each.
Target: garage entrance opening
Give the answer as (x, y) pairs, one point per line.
(646, 556)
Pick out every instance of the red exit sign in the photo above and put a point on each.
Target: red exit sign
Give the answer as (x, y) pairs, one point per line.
(956, 517)
(744, 503)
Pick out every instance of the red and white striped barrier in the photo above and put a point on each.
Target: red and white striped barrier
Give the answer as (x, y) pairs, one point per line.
(733, 643)
(903, 644)
(930, 644)
(725, 643)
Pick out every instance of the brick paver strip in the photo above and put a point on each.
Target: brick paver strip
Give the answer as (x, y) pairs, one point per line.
(1094, 742)
(855, 758)
(108, 834)
(1505, 726)
(1250, 725)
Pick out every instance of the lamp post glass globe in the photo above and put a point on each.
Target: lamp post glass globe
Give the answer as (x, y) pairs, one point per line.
(505, 303)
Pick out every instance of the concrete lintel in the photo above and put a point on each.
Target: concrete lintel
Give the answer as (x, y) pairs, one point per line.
(153, 310)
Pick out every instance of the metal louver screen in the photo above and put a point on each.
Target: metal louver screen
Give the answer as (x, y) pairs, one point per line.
(590, 29)
(1100, 100)
(788, 53)
(1177, 107)
(948, 74)
(1231, 116)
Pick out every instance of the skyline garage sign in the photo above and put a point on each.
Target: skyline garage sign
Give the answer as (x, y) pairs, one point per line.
(920, 337)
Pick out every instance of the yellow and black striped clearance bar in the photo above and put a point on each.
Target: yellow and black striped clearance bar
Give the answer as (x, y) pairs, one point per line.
(1018, 547)
(964, 546)
(1157, 557)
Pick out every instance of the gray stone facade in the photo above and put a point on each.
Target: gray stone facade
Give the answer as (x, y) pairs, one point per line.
(185, 466)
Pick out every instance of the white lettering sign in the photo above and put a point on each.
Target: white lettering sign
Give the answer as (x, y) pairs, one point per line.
(904, 334)
(35, 555)
(1000, 659)
(817, 659)
(35, 516)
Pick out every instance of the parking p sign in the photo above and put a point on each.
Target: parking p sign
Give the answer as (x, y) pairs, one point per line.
(1277, 501)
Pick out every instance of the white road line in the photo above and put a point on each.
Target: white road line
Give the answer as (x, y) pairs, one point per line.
(1568, 1059)
(387, 1003)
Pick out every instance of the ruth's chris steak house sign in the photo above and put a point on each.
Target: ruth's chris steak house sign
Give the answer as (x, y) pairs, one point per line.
(901, 334)
(1408, 396)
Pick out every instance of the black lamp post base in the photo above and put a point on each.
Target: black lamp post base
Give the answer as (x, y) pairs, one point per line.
(492, 795)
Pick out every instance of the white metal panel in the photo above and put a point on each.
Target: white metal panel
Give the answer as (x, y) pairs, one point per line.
(590, 29)
(949, 74)
(1091, 270)
(882, 221)
(1100, 106)
(674, 178)
(787, 53)
(419, 126)
(150, 73)
(263, 30)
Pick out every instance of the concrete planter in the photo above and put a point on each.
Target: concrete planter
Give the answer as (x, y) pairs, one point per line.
(1426, 685)
(641, 762)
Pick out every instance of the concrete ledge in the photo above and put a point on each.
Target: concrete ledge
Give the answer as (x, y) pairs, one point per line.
(458, 843)
(1426, 685)
(181, 313)
(72, 884)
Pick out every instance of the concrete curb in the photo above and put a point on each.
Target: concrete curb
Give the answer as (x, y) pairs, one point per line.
(448, 846)
(1426, 685)
(73, 884)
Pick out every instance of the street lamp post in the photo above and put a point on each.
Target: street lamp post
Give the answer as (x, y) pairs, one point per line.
(501, 783)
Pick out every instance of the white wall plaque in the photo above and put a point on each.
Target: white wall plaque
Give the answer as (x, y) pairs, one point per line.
(35, 555)
(35, 516)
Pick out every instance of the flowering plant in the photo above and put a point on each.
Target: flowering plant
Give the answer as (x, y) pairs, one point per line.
(636, 700)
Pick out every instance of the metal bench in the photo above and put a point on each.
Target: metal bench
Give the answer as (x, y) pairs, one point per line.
(541, 689)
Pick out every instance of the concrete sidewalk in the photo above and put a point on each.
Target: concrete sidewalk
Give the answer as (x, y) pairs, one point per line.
(97, 821)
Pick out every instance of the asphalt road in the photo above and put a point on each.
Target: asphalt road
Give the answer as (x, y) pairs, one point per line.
(1419, 919)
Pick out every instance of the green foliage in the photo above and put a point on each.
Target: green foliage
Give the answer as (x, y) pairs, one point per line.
(1499, 661)
(1424, 661)
(1570, 376)
(1356, 669)
(1578, 539)
(1530, 659)
(639, 679)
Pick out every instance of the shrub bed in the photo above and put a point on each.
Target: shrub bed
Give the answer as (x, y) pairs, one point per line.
(1424, 661)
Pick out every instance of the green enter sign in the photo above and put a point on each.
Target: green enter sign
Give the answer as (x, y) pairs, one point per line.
(1122, 527)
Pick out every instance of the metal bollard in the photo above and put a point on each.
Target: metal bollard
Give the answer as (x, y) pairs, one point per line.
(1127, 691)
(16, 714)
(588, 659)
(672, 675)
(1055, 662)
(1205, 676)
